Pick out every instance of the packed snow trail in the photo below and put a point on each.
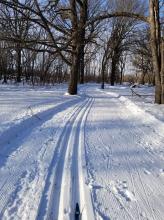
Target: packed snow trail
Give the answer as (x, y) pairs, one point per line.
(125, 159)
(67, 187)
(99, 150)
(25, 160)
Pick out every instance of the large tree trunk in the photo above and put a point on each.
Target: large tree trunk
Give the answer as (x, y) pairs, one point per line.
(82, 65)
(78, 44)
(155, 42)
(162, 71)
(83, 19)
(72, 88)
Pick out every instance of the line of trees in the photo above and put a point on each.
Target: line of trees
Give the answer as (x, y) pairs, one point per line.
(53, 41)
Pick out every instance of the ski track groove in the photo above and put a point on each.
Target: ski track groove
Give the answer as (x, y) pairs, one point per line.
(54, 167)
(13, 178)
(42, 151)
(16, 132)
(75, 187)
(66, 161)
(86, 200)
(71, 172)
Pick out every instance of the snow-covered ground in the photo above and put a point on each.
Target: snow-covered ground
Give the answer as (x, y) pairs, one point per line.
(101, 149)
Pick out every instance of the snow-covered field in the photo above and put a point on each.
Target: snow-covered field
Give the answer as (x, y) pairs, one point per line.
(101, 149)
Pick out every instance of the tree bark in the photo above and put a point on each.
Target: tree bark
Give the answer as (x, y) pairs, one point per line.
(82, 65)
(122, 68)
(102, 77)
(78, 44)
(4, 79)
(155, 46)
(83, 20)
(162, 72)
(72, 88)
(113, 71)
(19, 68)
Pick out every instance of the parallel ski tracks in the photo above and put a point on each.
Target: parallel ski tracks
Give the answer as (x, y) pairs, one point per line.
(28, 125)
(34, 121)
(67, 182)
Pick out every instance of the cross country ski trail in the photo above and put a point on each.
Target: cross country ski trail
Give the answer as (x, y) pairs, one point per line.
(68, 186)
(99, 150)
(32, 148)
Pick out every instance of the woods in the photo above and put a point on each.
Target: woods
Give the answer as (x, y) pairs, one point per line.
(47, 42)
(81, 109)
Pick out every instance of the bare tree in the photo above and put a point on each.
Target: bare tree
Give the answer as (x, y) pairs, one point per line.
(66, 23)
(142, 57)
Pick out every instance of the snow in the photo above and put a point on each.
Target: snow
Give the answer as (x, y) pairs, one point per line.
(100, 148)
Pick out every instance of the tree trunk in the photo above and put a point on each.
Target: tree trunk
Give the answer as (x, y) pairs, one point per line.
(82, 66)
(102, 77)
(155, 42)
(72, 89)
(103, 67)
(113, 72)
(142, 79)
(19, 68)
(162, 72)
(122, 67)
(83, 20)
(4, 79)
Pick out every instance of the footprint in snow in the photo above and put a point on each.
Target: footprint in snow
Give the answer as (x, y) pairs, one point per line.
(147, 172)
(97, 187)
(121, 188)
(129, 196)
